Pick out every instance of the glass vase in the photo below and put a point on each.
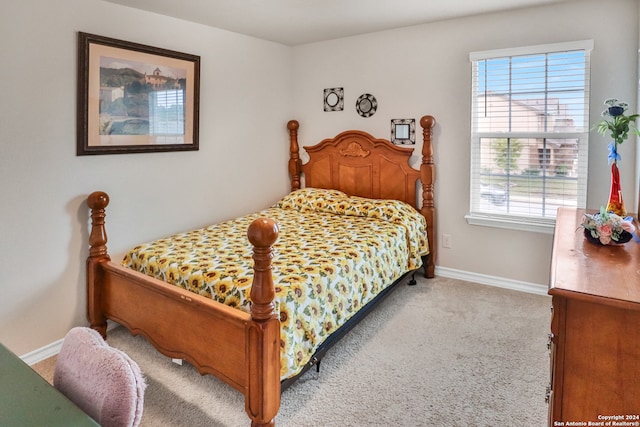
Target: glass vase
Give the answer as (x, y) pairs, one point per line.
(616, 204)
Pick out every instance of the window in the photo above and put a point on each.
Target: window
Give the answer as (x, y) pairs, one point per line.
(529, 134)
(167, 115)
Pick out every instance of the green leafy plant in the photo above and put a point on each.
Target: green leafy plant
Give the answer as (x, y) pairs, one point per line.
(562, 170)
(507, 152)
(616, 122)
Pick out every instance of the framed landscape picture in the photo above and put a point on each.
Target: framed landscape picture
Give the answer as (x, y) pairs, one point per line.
(134, 98)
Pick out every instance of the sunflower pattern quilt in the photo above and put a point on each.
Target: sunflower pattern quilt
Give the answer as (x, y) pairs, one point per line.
(334, 254)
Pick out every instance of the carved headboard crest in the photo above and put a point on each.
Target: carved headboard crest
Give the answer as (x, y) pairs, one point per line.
(354, 150)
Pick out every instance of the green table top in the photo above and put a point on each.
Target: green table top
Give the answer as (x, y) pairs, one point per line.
(27, 399)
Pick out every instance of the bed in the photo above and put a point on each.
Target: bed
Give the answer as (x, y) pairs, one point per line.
(237, 329)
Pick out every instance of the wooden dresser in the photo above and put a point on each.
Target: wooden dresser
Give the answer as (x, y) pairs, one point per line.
(595, 328)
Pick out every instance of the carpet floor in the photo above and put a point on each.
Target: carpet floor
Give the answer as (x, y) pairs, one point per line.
(442, 353)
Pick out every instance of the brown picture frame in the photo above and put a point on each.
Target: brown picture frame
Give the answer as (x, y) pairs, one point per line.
(134, 98)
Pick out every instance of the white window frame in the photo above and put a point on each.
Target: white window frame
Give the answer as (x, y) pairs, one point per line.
(522, 222)
(159, 120)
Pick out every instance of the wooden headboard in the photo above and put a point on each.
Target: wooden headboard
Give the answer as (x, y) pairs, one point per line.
(360, 165)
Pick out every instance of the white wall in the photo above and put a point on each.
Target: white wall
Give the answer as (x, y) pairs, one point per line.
(241, 166)
(425, 70)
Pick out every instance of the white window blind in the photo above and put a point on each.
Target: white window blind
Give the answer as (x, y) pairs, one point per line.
(167, 115)
(529, 130)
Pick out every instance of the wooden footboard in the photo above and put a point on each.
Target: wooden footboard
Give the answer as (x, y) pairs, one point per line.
(239, 348)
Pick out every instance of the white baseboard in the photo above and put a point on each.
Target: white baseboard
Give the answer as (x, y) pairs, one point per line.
(500, 282)
(483, 279)
(52, 349)
(42, 353)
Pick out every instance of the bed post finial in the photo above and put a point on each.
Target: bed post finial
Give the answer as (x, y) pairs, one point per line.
(263, 399)
(97, 202)
(428, 177)
(262, 233)
(295, 165)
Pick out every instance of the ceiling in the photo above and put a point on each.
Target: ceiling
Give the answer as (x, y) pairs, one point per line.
(295, 22)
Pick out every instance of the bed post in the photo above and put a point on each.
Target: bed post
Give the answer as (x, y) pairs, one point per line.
(97, 202)
(262, 400)
(295, 164)
(428, 177)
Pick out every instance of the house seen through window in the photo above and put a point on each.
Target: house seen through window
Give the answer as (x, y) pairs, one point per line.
(529, 134)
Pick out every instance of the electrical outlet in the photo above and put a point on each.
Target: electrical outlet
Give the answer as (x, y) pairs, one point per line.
(446, 240)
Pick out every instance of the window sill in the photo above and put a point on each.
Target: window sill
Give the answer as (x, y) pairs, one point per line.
(512, 223)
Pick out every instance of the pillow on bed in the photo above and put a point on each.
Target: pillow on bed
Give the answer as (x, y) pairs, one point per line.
(311, 199)
(385, 209)
(394, 211)
(337, 202)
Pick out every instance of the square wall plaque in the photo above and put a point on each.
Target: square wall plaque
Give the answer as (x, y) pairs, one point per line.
(403, 131)
(334, 99)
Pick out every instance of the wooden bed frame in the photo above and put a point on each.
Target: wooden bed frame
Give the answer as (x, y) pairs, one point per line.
(244, 351)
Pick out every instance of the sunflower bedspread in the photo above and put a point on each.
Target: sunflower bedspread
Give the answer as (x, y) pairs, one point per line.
(334, 254)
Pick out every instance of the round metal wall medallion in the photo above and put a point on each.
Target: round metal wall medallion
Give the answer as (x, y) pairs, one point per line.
(366, 105)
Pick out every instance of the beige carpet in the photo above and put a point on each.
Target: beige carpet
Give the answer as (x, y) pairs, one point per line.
(442, 353)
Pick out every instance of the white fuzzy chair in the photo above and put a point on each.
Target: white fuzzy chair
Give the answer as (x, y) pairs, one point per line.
(103, 381)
